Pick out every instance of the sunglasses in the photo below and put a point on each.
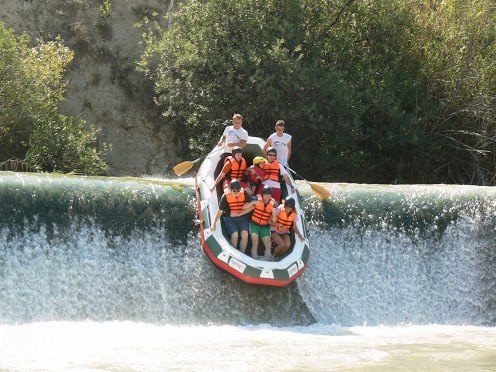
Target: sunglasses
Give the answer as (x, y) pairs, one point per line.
(235, 190)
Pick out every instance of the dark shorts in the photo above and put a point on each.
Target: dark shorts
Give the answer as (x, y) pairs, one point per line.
(235, 224)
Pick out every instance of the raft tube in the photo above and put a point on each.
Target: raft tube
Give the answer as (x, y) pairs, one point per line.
(217, 245)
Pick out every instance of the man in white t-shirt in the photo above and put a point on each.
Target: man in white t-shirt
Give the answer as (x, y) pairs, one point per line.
(234, 135)
(281, 142)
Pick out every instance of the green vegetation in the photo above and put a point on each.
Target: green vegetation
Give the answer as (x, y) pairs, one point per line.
(396, 91)
(31, 129)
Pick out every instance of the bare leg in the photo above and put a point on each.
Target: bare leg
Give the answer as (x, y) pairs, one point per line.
(279, 242)
(244, 241)
(281, 249)
(234, 239)
(266, 241)
(254, 245)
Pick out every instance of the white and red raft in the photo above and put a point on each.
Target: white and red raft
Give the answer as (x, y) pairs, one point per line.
(218, 246)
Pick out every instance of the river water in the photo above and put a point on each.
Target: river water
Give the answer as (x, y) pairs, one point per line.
(132, 346)
(108, 274)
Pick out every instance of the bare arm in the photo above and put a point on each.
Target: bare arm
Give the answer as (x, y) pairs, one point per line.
(296, 230)
(217, 180)
(241, 143)
(243, 211)
(222, 140)
(289, 150)
(216, 218)
(288, 181)
(273, 218)
(225, 169)
(246, 208)
(249, 205)
(268, 144)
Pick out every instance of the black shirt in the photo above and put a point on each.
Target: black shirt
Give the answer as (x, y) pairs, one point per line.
(224, 205)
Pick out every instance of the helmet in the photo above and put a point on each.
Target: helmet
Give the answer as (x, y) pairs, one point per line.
(267, 190)
(258, 160)
(237, 150)
(235, 185)
(289, 202)
(272, 150)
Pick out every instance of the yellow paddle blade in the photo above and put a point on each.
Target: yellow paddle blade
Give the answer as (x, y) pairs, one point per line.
(183, 167)
(320, 191)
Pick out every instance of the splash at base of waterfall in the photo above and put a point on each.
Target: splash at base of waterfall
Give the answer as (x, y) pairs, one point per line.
(142, 346)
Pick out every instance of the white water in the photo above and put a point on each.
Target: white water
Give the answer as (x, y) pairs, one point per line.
(382, 300)
(118, 346)
(51, 287)
(393, 278)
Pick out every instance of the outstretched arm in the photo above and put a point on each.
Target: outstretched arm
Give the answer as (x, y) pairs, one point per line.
(217, 180)
(296, 230)
(225, 169)
(288, 182)
(247, 208)
(216, 218)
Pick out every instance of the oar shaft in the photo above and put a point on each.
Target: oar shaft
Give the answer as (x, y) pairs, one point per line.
(320, 191)
(296, 174)
(210, 153)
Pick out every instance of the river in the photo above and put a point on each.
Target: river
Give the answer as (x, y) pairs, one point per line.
(108, 274)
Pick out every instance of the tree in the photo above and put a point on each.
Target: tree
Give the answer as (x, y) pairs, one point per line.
(396, 91)
(31, 87)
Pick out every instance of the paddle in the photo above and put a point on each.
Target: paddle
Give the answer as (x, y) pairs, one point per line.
(185, 166)
(320, 191)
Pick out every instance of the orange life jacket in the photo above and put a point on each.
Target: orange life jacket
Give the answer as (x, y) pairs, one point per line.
(237, 168)
(262, 212)
(285, 219)
(272, 171)
(235, 202)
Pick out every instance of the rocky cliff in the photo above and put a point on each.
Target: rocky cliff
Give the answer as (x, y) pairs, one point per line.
(104, 86)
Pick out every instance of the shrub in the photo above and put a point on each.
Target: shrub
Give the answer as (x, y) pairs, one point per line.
(32, 86)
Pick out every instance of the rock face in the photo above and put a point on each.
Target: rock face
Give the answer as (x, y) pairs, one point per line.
(104, 86)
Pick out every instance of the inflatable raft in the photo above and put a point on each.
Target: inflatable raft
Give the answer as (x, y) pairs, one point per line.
(218, 246)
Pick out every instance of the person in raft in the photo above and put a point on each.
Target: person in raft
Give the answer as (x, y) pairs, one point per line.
(286, 219)
(281, 142)
(233, 135)
(256, 175)
(263, 212)
(235, 217)
(273, 169)
(235, 168)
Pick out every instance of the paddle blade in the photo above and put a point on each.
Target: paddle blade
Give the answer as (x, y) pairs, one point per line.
(320, 191)
(183, 167)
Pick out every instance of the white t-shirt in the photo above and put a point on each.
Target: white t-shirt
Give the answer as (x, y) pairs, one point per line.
(235, 135)
(281, 145)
